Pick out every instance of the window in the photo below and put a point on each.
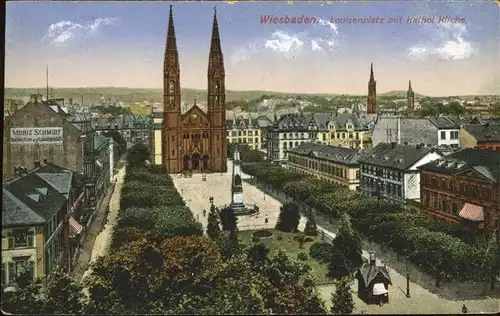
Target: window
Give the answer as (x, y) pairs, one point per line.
(3, 276)
(21, 238)
(19, 267)
(173, 152)
(443, 135)
(454, 134)
(357, 174)
(454, 208)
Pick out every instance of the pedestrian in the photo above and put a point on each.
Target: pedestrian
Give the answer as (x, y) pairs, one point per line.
(465, 310)
(204, 213)
(266, 220)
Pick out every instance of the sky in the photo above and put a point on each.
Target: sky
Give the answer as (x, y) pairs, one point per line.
(121, 44)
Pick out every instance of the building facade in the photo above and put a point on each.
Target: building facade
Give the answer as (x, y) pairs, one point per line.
(463, 188)
(390, 171)
(39, 207)
(135, 129)
(431, 132)
(244, 131)
(194, 141)
(289, 132)
(334, 164)
(485, 136)
(350, 131)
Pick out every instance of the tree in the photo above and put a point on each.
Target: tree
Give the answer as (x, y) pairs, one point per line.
(348, 244)
(138, 154)
(289, 218)
(342, 302)
(258, 254)
(26, 300)
(63, 295)
(228, 219)
(311, 229)
(229, 244)
(213, 226)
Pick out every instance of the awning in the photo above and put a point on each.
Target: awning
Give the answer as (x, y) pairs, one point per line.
(98, 163)
(472, 212)
(379, 289)
(75, 228)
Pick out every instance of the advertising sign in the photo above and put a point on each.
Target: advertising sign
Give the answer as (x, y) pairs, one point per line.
(36, 135)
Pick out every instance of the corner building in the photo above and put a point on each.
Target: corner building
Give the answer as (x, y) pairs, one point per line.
(194, 141)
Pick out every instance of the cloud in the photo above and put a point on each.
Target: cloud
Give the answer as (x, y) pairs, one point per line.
(319, 37)
(448, 42)
(64, 31)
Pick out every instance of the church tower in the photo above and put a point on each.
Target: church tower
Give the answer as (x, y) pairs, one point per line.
(410, 98)
(171, 136)
(216, 109)
(371, 104)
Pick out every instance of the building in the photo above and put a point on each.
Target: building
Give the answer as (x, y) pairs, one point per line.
(42, 131)
(371, 103)
(244, 131)
(11, 106)
(432, 132)
(156, 132)
(40, 230)
(349, 130)
(390, 171)
(194, 141)
(334, 164)
(486, 136)
(463, 188)
(135, 129)
(373, 282)
(289, 132)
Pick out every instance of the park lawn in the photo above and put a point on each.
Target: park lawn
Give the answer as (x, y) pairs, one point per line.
(319, 270)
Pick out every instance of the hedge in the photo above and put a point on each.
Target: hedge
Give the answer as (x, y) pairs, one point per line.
(151, 205)
(438, 248)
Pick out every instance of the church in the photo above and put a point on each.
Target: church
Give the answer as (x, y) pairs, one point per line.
(196, 140)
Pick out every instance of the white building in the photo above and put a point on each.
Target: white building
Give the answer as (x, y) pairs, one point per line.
(447, 130)
(289, 132)
(389, 171)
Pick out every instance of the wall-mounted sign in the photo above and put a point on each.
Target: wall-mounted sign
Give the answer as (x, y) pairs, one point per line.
(36, 135)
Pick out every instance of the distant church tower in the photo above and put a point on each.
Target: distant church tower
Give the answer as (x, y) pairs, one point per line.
(371, 104)
(410, 98)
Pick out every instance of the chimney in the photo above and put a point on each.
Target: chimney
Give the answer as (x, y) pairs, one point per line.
(373, 259)
(419, 146)
(37, 164)
(393, 145)
(33, 98)
(45, 161)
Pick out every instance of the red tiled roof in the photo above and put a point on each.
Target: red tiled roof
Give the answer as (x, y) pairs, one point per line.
(472, 212)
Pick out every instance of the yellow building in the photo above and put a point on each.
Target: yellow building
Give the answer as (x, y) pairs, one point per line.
(140, 109)
(335, 164)
(348, 131)
(245, 131)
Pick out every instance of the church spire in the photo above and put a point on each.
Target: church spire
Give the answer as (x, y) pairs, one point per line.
(171, 42)
(372, 78)
(215, 43)
(409, 86)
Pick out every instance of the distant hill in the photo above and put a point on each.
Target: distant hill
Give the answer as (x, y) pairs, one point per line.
(127, 95)
(398, 94)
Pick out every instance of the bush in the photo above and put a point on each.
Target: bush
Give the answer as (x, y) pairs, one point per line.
(279, 238)
(311, 229)
(322, 252)
(302, 256)
(308, 239)
(255, 239)
(289, 218)
(262, 233)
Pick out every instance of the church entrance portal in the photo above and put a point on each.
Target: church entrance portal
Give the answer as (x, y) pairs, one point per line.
(195, 159)
(186, 163)
(205, 162)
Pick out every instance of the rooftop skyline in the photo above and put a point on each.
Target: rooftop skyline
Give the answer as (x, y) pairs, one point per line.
(102, 44)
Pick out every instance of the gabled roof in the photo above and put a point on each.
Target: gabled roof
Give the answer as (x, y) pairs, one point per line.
(346, 156)
(484, 162)
(444, 122)
(100, 141)
(394, 156)
(484, 133)
(16, 213)
(195, 109)
(369, 272)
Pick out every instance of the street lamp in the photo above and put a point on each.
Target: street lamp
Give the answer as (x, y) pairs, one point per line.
(407, 279)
